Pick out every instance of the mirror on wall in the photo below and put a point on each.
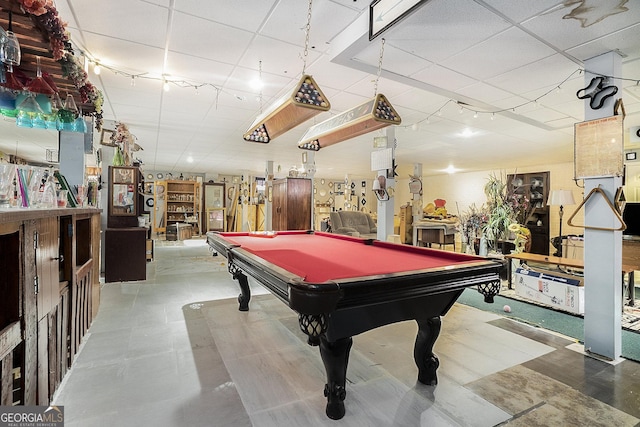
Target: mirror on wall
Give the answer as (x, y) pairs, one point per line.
(26, 143)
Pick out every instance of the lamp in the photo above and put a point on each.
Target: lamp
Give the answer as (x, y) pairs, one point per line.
(377, 113)
(306, 101)
(380, 188)
(560, 198)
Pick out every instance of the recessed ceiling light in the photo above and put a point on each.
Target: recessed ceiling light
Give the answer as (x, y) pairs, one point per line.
(451, 169)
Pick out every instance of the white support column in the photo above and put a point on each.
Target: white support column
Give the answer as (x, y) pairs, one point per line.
(385, 208)
(245, 185)
(417, 198)
(309, 165)
(268, 180)
(602, 249)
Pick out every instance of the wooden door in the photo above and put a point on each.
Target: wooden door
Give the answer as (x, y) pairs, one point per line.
(47, 295)
(279, 208)
(298, 204)
(47, 287)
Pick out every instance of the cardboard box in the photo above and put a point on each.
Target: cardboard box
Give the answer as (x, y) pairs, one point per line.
(557, 290)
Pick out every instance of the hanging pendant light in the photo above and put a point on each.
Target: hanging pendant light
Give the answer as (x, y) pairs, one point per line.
(377, 113)
(304, 102)
(11, 54)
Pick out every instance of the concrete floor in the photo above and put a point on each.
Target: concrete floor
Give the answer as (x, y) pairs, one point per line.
(173, 350)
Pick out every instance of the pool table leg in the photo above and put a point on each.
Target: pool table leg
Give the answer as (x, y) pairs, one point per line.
(428, 331)
(245, 291)
(335, 356)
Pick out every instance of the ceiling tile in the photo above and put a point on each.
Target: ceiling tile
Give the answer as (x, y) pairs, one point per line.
(247, 14)
(568, 33)
(442, 29)
(624, 41)
(121, 18)
(443, 77)
(510, 49)
(199, 37)
(289, 19)
(518, 11)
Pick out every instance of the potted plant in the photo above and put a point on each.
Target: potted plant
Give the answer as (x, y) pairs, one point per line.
(500, 212)
(472, 221)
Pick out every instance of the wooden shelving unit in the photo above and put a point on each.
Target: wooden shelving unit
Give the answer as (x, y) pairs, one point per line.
(535, 187)
(183, 203)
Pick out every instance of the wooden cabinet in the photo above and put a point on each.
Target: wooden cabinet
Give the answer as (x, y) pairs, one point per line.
(291, 204)
(49, 294)
(125, 196)
(532, 190)
(183, 203)
(126, 257)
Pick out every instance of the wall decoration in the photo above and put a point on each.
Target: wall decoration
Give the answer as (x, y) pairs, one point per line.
(597, 91)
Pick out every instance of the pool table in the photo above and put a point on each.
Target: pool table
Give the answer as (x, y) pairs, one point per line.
(341, 286)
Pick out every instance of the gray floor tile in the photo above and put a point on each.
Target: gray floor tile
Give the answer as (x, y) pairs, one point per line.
(174, 350)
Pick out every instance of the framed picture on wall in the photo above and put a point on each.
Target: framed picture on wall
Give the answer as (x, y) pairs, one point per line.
(105, 138)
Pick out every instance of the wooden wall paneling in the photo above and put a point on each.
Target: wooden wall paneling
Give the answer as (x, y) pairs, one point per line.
(53, 356)
(6, 380)
(42, 371)
(30, 315)
(10, 339)
(81, 313)
(63, 331)
(47, 265)
(95, 256)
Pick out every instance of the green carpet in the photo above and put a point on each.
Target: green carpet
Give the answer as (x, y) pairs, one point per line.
(564, 323)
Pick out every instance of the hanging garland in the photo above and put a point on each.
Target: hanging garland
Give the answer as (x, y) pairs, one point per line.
(46, 16)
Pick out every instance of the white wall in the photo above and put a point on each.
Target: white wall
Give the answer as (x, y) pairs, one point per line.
(462, 189)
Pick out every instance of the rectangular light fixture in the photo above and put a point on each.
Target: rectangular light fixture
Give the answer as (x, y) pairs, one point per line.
(306, 101)
(374, 114)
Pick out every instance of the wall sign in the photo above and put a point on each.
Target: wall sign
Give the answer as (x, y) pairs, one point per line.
(598, 148)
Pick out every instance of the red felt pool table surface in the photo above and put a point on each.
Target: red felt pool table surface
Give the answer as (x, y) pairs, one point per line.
(320, 257)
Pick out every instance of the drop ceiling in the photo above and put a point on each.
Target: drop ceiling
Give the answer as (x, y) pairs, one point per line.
(495, 57)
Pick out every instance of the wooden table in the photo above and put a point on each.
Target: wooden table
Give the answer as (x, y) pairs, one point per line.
(434, 231)
(571, 263)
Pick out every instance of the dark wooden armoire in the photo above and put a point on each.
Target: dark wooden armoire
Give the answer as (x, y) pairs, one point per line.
(291, 204)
